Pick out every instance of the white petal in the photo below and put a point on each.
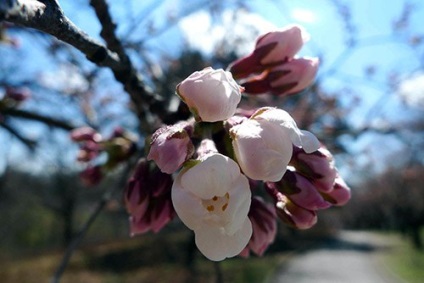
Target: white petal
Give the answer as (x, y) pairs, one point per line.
(263, 149)
(189, 208)
(238, 205)
(299, 138)
(211, 177)
(216, 245)
(309, 142)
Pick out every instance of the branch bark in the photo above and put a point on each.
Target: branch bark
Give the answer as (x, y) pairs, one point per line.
(28, 142)
(47, 16)
(36, 117)
(129, 77)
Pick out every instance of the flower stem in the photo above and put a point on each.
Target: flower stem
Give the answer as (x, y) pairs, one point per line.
(218, 272)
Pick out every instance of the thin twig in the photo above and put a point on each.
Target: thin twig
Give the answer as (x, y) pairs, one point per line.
(218, 272)
(47, 16)
(79, 237)
(83, 231)
(18, 113)
(28, 142)
(131, 79)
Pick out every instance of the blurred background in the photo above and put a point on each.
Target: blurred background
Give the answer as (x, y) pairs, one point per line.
(366, 106)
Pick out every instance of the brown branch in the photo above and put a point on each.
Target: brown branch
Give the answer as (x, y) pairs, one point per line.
(77, 240)
(47, 16)
(28, 142)
(129, 77)
(36, 117)
(107, 195)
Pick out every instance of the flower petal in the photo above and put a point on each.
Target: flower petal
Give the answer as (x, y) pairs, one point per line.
(216, 245)
(187, 206)
(263, 149)
(298, 137)
(211, 177)
(238, 205)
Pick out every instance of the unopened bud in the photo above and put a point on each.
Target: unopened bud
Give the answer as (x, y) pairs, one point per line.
(300, 191)
(340, 194)
(170, 147)
(212, 95)
(263, 218)
(318, 166)
(296, 216)
(85, 134)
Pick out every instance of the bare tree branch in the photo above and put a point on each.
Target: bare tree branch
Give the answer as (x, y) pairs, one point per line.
(129, 77)
(108, 194)
(77, 240)
(47, 16)
(37, 117)
(28, 142)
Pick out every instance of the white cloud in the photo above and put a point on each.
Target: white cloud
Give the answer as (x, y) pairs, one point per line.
(241, 27)
(66, 79)
(303, 15)
(411, 90)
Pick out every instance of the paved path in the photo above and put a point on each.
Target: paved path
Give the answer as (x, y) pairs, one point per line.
(350, 258)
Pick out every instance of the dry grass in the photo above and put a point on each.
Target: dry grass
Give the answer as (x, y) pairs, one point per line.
(151, 258)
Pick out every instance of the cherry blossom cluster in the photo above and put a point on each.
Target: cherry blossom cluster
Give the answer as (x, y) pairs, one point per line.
(117, 148)
(228, 173)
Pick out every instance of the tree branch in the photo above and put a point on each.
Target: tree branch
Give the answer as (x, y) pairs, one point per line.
(93, 216)
(132, 81)
(77, 240)
(36, 117)
(47, 16)
(28, 142)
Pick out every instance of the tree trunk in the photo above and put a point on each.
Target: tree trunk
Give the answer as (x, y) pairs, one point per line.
(68, 219)
(416, 238)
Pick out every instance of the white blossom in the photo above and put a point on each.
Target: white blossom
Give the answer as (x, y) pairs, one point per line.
(212, 95)
(263, 144)
(212, 198)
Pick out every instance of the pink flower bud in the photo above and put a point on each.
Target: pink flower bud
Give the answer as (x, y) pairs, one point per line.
(285, 79)
(88, 151)
(264, 224)
(118, 132)
(170, 147)
(272, 49)
(148, 199)
(92, 175)
(212, 95)
(300, 190)
(295, 215)
(85, 134)
(301, 72)
(155, 218)
(340, 194)
(318, 166)
(17, 94)
(289, 39)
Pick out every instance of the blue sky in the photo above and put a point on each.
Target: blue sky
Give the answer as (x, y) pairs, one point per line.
(377, 44)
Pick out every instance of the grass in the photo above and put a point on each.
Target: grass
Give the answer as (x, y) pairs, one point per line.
(150, 258)
(405, 261)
